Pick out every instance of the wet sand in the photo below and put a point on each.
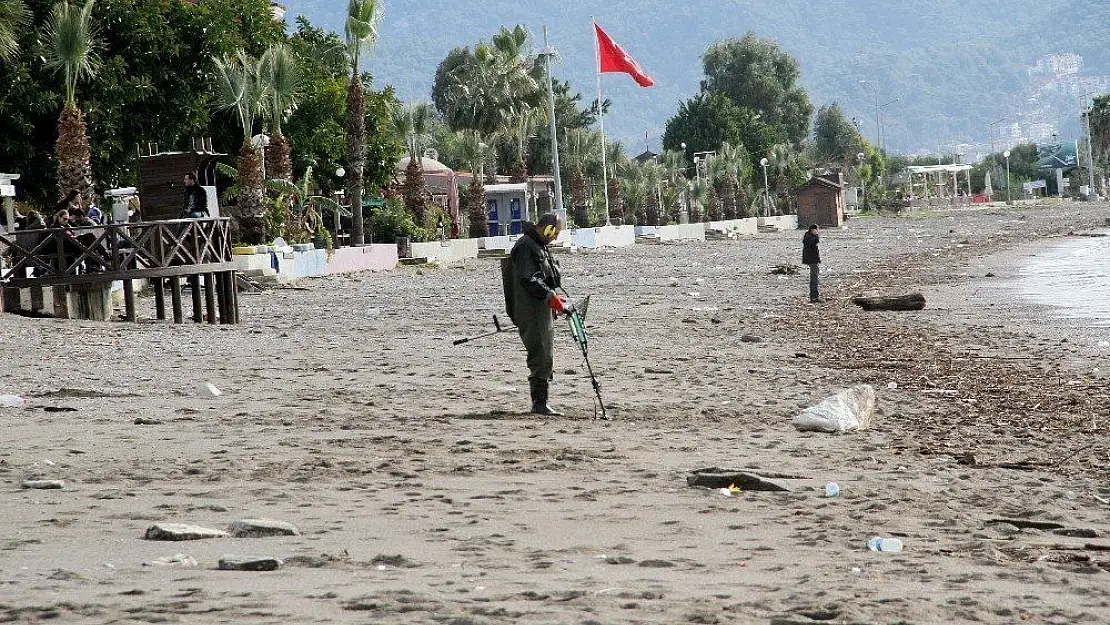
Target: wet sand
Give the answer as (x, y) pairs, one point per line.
(423, 494)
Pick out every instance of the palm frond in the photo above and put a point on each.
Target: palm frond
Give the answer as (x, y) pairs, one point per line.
(72, 45)
(14, 16)
(361, 28)
(283, 82)
(239, 88)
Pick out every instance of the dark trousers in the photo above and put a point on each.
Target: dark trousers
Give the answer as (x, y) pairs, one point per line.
(814, 282)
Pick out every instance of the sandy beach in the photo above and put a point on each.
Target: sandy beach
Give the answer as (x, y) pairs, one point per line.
(423, 494)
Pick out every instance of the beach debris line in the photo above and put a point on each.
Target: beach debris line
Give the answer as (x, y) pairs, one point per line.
(784, 270)
(913, 301)
(848, 410)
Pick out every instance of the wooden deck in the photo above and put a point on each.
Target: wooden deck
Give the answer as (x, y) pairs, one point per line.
(84, 259)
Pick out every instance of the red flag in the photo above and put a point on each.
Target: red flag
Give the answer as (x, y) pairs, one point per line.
(613, 59)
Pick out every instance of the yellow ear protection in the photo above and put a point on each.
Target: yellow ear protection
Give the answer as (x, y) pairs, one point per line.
(549, 232)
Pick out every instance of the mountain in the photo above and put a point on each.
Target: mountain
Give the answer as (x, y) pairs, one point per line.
(954, 66)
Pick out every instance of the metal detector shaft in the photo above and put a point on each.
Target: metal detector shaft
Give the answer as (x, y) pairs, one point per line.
(496, 324)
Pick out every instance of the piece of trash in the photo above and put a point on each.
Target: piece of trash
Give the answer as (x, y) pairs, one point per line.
(179, 559)
(727, 492)
(694, 294)
(832, 489)
(878, 543)
(211, 390)
(1104, 343)
(848, 410)
(12, 401)
(892, 385)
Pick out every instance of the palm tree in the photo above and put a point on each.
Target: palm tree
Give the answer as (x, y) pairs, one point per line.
(239, 89)
(71, 47)
(475, 153)
(523, 130)
(674, 170)
(653, 202)
(781, 157)
(14, 16)
(698, 192)
(283, 81)
(717, 171)
(362, 32)
(580, 159)
(615, 159)
(633, 192)
(413, 122)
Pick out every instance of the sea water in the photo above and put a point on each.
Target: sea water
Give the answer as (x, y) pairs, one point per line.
(1073, 277)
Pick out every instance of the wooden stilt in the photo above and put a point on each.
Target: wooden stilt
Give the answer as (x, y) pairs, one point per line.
(129, 299)
(37, 303)
(175, 299)
(12, 300)
(221, 296)
(233, 284)
(160, 298)
(61, 302)
(210, 296)
(198, 307)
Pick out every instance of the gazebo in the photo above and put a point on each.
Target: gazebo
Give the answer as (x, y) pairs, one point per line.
(441, 182)
(941, 172)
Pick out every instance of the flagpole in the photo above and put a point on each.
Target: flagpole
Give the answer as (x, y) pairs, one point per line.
(601, 121)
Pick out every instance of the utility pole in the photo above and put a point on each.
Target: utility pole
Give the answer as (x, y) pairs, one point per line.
(548, 52)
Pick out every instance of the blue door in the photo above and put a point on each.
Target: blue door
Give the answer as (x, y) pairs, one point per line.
(515, 215)
(492, 221)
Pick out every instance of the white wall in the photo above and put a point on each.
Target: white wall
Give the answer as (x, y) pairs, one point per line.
(606, 236)
(455, 251)
(749, 225)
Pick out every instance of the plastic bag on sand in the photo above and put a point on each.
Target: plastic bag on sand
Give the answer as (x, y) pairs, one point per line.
(848, 410)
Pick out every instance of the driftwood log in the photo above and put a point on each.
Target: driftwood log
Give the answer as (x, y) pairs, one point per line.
(913, 301)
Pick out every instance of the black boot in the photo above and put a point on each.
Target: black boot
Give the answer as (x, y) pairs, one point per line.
(539, 390)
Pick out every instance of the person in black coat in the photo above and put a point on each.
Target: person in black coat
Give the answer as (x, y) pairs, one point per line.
(811, 256)
(196, 200)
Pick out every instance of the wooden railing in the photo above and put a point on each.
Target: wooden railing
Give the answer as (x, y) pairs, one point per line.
(198, 250)
(116, 251)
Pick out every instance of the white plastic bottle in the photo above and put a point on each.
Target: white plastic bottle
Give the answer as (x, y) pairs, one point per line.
(878, 543)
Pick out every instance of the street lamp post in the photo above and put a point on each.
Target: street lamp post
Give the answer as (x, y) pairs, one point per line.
(882, 132)
(1090, 149)
(862, 186)
(1006, 155)
(766, 188)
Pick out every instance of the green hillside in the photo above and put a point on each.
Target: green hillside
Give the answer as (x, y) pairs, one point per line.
(956, 65)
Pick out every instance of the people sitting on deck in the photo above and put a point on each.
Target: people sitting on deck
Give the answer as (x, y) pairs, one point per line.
(95, 214)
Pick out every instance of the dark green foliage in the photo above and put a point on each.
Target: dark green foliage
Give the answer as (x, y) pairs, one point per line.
(756, 74)
(708, 120)
(836, 138)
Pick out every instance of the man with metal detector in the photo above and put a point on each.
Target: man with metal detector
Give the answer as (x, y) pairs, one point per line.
(531, 278)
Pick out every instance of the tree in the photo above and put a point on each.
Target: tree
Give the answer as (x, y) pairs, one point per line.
(282, 86)
(675, 167)
(361, 32)
(837, 139)
(490, 88)
(475, 153)
(581, 158)
(698, 192)
(707, 120)
(14, 16)
(413, 122)
(615, 159)
(239, 89)
(71, 48)
(756, 74)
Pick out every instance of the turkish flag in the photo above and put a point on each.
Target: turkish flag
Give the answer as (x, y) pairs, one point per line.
(613, 59)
